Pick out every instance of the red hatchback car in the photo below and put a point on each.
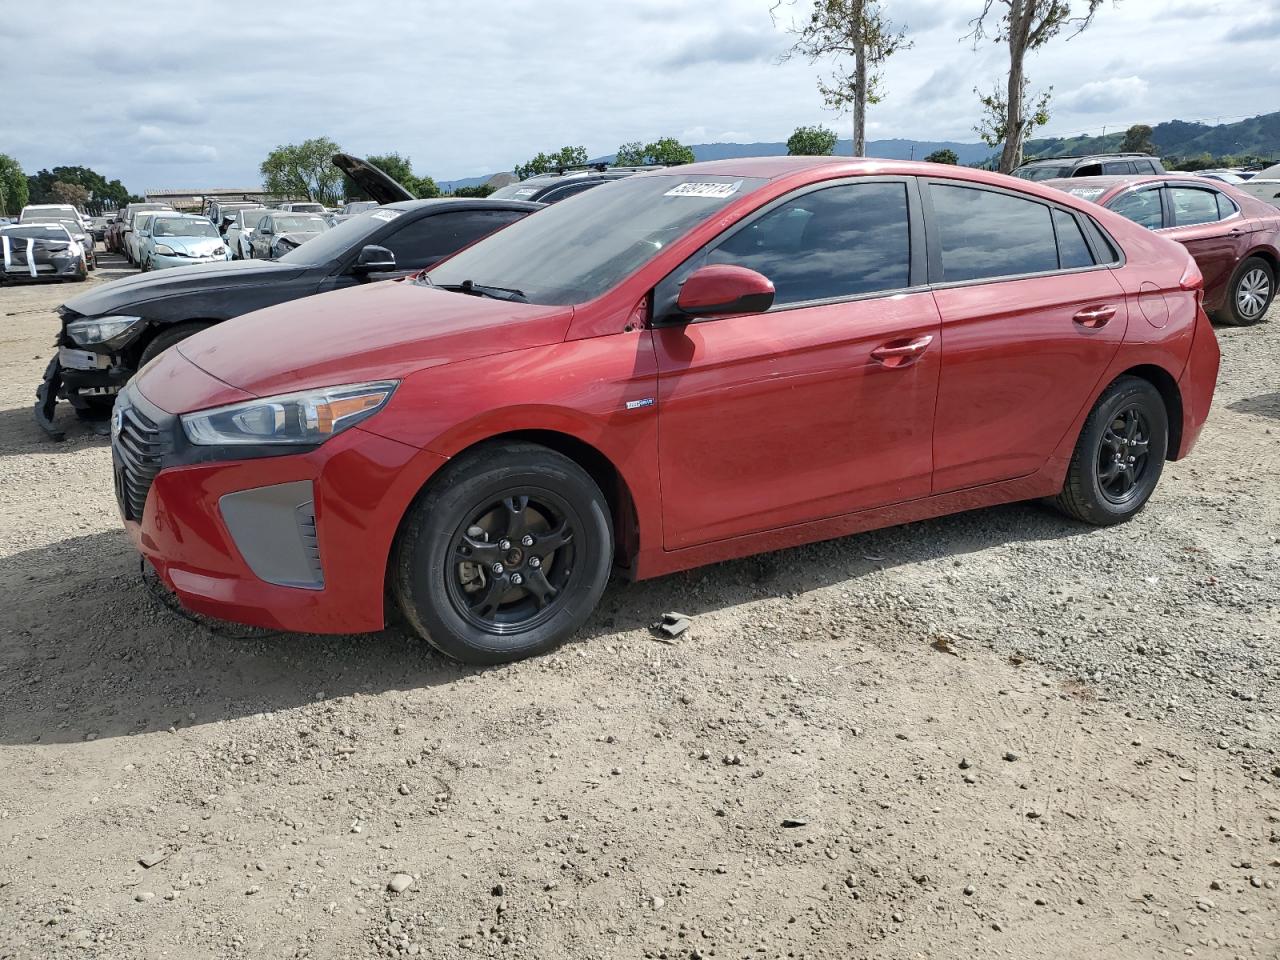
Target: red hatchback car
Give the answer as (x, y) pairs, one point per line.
(1235, 238)
(684, 366)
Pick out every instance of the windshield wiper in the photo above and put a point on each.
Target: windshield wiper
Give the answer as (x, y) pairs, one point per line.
(474, 289)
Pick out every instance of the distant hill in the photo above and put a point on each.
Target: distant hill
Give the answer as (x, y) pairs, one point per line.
(1257, 136)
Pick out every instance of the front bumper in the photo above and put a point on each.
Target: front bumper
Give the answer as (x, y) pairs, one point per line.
(161, 262)
(55, 268)
(188, 517)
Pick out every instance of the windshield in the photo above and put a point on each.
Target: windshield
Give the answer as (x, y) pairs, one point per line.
(1046, 172)
(359, 206)
(37, 231)
(298, 224)
(143, 221)
(73, 226)
(577, 249)
(247, 218)
(342, 239)
(306, 207)
(182, 227)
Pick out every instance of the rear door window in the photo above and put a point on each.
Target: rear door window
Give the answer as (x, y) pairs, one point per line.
(986, 234)
(839, 241)
(1117, 166)
(1192, 206)
(1140, 206)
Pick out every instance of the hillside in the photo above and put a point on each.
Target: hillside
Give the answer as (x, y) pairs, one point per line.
(1257, 136)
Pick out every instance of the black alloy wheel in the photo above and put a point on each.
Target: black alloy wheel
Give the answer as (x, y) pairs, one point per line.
(513, 561)
(1119, 455)
(505, 553)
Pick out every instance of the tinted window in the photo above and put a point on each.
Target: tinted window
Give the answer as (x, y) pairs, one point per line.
(1047, 172)
(837, 242)
(1192, 206)
(1141, 206)
(1226, 207)
(1073, 251)
(987, 234)
(423, 242)
(568, 190)
(1117, 166)
(1146, 166)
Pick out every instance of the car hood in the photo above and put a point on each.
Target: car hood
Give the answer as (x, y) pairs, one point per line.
(129, 292)
(380, 331)
(370, 179)
(191, 246)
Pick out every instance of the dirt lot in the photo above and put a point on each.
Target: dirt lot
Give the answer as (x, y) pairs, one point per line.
(994, 735)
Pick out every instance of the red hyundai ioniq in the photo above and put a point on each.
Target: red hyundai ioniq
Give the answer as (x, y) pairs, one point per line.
(681, 367)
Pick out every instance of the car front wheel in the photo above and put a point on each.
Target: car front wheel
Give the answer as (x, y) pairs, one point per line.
(505, 555)
(1252, 289)
(1119, 456)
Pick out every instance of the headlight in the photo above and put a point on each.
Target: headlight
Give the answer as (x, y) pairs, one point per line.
(165, 250)
(311, 416)
(100, 329)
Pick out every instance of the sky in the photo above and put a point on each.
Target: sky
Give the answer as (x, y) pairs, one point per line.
(195, 94)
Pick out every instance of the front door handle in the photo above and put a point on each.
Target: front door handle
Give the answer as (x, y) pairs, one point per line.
(895, 354)
(1094, 317)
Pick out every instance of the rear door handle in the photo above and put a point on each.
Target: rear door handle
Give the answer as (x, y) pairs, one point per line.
(1094, 317)
(894, 354)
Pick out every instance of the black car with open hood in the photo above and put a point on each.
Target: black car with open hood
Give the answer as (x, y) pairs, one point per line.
(112, 330)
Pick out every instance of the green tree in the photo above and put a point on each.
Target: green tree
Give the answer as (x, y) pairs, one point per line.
(546, 162)
(945, 155)
(479, 190)
(14, 192)
(304, 170)
(815, 141)
(841, 30)
(102, 194)
(667, 151)
(1137, 139)
(1023, 26)
(72, 193)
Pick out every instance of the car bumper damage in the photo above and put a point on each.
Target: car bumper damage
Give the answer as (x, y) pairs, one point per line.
(297, 542)
(88, 376)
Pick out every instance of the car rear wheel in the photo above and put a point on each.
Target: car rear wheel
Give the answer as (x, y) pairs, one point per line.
(1252, 289)
(167, 338)
(1119, 456)
(505, 555)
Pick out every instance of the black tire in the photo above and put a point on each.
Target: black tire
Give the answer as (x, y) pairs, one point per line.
(165, 339)
(1249, 295)
(460, 606)
(1119, 456)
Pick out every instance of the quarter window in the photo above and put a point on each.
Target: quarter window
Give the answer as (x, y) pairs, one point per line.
(1192, 206)
(836, 242)
(988, 234)
(1226, 207)
(1073, 251)
(1141, 206)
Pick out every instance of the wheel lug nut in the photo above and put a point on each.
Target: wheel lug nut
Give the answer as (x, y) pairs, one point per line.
(498, 568)
(504, 544)
(527, 540)
(535, 562)
(517, 579)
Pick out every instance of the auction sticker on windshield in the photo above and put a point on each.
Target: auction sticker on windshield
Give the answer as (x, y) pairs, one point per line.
(716, 190)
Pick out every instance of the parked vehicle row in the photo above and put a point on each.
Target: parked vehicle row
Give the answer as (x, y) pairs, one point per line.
(808, 347)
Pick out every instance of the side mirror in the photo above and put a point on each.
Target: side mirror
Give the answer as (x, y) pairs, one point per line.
(722, 288)
(374, 259)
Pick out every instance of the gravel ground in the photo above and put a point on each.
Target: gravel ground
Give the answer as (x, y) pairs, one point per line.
(994, 734)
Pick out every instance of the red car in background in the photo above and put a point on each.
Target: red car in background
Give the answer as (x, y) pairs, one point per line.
(678, 368)
(1235, 238)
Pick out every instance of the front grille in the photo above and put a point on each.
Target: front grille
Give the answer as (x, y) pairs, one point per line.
(138, 451)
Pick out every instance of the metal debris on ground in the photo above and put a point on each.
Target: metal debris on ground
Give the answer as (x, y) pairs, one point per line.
(671, 626)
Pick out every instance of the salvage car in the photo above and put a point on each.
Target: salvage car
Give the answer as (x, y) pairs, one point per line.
(278, 231)
(1095, 165)
(1235, 238)
(114, 329)
(566, 182)
(239, 233)
(79, 232)
(136, 233)
(674, 369)
(124, 236)
(179, 240)
(39, 250)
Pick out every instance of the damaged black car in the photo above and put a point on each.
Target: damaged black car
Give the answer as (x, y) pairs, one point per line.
(41, 251)
(110, 332)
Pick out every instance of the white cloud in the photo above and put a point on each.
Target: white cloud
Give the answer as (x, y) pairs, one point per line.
(1101, 96)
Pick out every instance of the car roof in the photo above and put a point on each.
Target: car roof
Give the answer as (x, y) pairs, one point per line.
(1085, 156)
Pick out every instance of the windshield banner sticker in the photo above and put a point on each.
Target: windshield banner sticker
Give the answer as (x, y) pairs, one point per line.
(387, 215)
(716, 191)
